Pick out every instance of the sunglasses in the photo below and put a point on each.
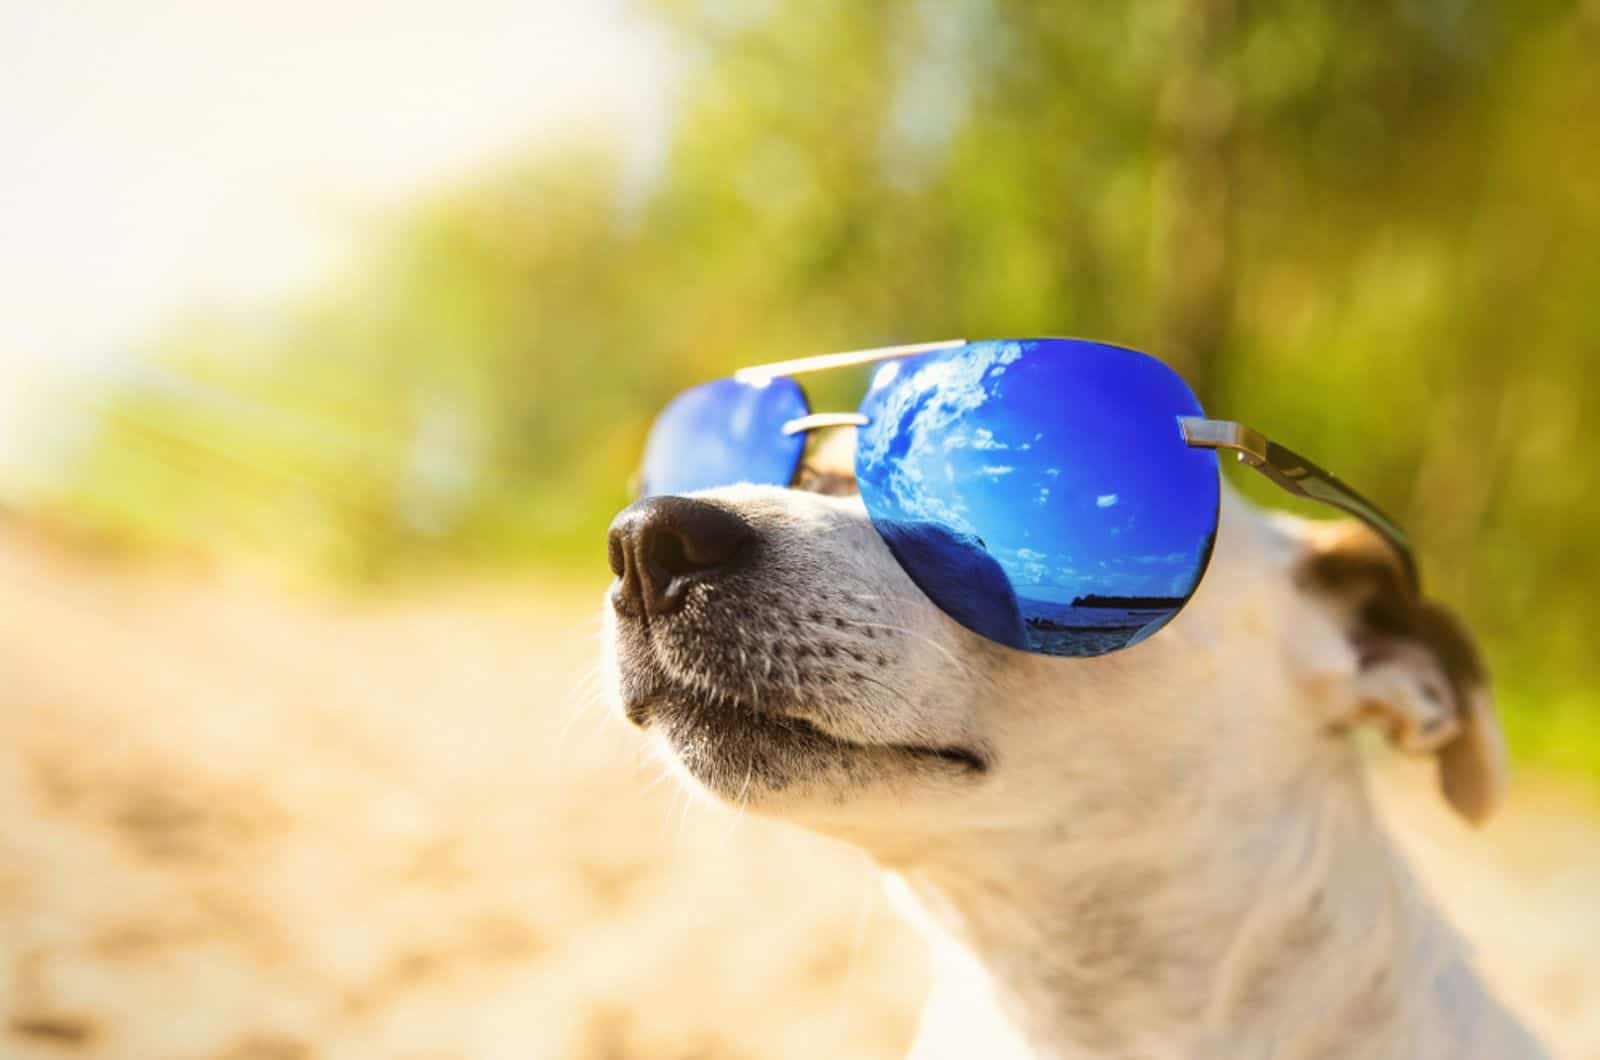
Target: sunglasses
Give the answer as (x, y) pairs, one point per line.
(1057, 496)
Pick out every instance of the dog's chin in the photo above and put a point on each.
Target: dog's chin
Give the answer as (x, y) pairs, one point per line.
(744, 749)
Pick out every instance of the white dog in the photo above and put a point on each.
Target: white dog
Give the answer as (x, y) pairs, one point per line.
(1168, 851)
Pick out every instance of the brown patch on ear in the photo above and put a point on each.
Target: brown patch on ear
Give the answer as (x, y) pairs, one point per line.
(1408, 646)
(1472, 767)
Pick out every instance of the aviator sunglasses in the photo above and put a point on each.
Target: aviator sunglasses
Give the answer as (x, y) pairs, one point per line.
(1057, 496)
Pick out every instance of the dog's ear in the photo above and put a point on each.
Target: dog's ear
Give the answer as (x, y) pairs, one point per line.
(1418, 673)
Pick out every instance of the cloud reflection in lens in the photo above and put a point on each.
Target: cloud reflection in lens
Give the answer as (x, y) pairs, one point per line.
(1064, 462)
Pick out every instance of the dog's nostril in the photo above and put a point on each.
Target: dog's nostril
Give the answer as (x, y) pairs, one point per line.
(616, 553)
(665, 550)
(656, 545)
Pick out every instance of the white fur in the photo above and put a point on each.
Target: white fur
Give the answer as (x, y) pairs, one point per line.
(1172, 853)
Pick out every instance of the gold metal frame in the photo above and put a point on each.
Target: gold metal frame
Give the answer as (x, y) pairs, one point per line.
(1250, 444)
(763, 373)
(1285, 467)
(818, 420)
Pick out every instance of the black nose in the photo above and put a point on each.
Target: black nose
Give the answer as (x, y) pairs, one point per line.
(659, 546)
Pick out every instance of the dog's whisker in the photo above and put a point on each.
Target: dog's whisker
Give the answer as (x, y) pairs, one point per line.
(593, 682)
(664, 775)
(741, 802)
(675, 806)
(661, 778)
(683, 815)
(923, 637)
(583, 703)
(895, 694)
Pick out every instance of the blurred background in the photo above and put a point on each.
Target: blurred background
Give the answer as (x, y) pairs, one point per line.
(330, 334)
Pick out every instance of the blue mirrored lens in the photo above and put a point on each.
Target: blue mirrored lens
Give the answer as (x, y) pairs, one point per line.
(722, 433)
(1040, 492)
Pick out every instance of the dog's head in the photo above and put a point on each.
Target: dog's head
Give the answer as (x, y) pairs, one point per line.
(772, 644)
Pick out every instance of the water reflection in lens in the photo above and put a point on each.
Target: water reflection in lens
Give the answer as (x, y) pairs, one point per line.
(1063, 461)
(722, 433)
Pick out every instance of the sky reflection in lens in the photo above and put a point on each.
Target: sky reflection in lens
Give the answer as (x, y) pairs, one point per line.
(1063, 462)
(722, 433)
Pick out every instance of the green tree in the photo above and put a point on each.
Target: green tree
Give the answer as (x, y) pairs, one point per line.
(1368, 228)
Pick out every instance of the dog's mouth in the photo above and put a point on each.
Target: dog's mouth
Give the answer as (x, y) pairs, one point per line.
(734, 743)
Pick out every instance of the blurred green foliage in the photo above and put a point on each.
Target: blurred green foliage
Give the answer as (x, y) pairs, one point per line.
(1371, 229)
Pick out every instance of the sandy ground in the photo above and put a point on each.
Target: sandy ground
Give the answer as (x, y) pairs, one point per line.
(238, 826)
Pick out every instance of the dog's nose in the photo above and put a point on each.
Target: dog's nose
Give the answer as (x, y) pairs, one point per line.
(661, 545)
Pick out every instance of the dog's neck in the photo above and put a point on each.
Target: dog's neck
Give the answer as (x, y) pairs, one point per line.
(1123, 890)
(1289, 931)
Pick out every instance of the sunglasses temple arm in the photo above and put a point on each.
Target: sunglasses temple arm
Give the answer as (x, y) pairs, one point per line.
(1301, 477)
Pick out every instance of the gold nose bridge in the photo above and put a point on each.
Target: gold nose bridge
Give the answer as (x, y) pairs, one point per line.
(818, 420)
(763, 373)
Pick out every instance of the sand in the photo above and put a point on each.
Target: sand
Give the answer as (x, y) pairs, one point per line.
(242, 824)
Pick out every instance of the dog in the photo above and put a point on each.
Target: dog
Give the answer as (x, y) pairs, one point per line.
(1168, 851)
